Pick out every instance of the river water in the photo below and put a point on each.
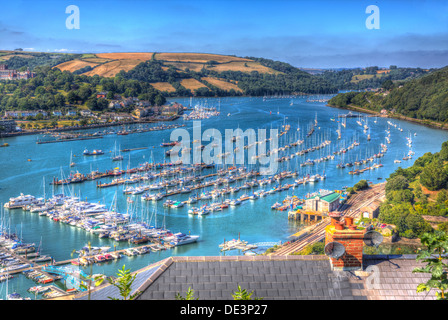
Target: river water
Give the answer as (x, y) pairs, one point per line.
(255, 221)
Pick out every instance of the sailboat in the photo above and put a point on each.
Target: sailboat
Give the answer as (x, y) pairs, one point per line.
(72, 164)
(117, 157)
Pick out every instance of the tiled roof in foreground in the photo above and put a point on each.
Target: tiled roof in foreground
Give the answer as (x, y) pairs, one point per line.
(277, 277)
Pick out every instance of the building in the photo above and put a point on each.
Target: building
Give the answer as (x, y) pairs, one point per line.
(86, 113)
(352, 276)
(24, 114)
(173, 109)
(11, 74)
(372, 210)
(140, 113)
(102, 94)
(323, 202)
(57, 113)
(7, 126)
(71, 113)
(293, 277)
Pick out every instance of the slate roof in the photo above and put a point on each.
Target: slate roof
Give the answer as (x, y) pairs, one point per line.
(276, 277)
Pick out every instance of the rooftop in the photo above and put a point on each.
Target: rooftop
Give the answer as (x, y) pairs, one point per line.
(292, 277)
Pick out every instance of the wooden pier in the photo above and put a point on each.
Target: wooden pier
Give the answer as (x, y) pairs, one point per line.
(307, 216)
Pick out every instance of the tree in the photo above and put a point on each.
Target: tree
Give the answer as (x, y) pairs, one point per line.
(123, 283)
(189, 295)
(434, 176)
(442, 196)
(159, 100)
(388, 85)
(398, 182)
(241, 294)
(436, 244)
(361, 185)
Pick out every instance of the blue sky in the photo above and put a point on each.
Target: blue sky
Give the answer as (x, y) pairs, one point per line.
(326, 34)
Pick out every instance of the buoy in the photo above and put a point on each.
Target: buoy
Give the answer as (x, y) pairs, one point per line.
(29, 159)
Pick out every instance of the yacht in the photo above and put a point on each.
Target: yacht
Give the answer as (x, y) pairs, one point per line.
(181, 238)
(23, 200)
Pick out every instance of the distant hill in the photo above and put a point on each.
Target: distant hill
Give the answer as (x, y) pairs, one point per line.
(200, 74)
(370, 77)
(424, 99)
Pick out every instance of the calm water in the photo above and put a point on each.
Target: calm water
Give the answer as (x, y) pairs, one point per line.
(254, 220)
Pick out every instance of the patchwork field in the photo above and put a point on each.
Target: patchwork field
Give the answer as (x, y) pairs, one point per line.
(9, 56)
(360, 77)
(196, 57)
(142, 56)
(184, 65)
(243, 67)
(224, 85)
(192, 84)
(110, 69)
(74, 65)
(163, 86)
(109, 64)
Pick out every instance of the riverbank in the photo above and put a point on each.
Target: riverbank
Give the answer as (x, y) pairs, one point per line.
(427, 123)
(92, 126)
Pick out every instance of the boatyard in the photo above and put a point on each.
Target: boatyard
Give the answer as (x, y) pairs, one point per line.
(119, 199)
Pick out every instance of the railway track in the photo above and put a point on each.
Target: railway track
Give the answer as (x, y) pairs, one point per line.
(350, 209)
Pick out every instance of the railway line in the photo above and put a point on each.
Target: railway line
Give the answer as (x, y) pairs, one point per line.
(351, 209)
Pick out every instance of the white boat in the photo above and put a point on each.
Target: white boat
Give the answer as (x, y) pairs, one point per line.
(181, 239)
(23, 200)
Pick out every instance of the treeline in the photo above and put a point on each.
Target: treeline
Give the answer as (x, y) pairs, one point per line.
(405, 200)
(425, 98)
(292, 80)
(53, 89)
(342, 79)
(17, 62)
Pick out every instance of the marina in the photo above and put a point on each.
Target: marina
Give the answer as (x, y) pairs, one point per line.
(144, 207)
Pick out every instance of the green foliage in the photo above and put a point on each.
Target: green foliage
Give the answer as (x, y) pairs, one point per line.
(189, 295)
(343, 78)
(315, 248)
(43, 91)
(425, 98)
(243, 294)
(436, 244)
(434, 176)
(404, 217)
(442, 196)
(123, 283)
(291, 80)
(361, 185)
(397, 182)
(400, 196)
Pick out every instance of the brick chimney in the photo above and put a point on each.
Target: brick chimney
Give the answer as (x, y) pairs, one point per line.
(353, 241)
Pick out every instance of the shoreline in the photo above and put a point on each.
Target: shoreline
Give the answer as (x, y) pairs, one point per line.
(431, 124)
(94, 126)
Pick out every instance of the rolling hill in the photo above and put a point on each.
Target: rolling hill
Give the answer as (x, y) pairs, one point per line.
(199, 74)
(424, 99)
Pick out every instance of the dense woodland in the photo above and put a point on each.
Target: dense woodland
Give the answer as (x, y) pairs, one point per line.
(406, 200)
(52, 89)
(360, 79)
(31, 60)
(292, 80)
(424, 98)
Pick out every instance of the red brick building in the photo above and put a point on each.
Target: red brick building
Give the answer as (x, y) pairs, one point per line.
(11, 74)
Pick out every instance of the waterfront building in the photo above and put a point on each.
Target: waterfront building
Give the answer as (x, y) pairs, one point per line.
(23, 114)
(8, 125)
(323, 202)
